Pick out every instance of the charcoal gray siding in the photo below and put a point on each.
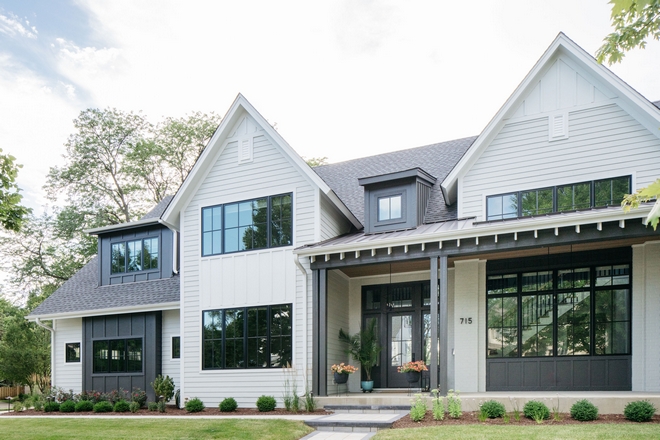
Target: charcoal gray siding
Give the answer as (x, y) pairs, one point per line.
(147, 326)
(165, 255)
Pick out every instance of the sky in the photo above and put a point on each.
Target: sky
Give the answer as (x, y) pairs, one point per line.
(342, 79)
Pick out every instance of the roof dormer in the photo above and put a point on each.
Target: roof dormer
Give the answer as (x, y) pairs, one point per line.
(396, 200)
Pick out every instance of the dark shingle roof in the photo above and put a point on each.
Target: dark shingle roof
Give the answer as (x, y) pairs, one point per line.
(159, 209)
(436, 159)
(657, 104)
(81, 293)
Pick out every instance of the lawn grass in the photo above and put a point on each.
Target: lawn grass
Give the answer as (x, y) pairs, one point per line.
(56, 428)
(586, 431)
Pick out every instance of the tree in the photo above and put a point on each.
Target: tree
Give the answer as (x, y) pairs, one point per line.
(634, 22)
(12, 213)
(651, 192)
(316, 161)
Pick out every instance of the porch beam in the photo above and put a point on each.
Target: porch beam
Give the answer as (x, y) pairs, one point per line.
(443, 333)
(434, 323)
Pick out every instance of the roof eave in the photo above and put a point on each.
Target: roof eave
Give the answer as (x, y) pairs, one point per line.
(123, 226)
(174, 305)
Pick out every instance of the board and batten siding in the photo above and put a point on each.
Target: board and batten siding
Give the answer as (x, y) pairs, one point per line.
(603, 141)
(251, 278)
(68, 375)
(171, 327)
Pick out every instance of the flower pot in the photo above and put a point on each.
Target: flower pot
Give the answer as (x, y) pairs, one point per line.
(413, 376)
(367, 386)
(341, 378)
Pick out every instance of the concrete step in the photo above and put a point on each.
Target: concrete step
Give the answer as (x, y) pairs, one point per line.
(362, 423)
(368, 409)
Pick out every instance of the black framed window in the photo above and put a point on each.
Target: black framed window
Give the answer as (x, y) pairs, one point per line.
(571, 197)
(176, 347)
(561, 312)
(72, 352)
(117, 356)
(390, 207)
(250, 224)
(134, 255)
(248, 337)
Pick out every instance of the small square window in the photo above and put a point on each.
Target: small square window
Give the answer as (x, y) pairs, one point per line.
(389, 208)
(72, 352)
(176, 347)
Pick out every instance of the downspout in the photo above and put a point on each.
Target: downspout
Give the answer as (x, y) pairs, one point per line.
(52, 348)
(305, 290)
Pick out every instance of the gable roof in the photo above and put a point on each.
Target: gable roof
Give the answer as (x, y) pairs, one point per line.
(629, 99)
(80, 295)
(436, 159)
(206, 160)
(151, 217)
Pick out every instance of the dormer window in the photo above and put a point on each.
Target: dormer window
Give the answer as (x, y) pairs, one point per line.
(134, 255)
(389, 208)
(397, 200)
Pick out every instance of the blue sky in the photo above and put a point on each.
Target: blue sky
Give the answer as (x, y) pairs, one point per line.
(341, 78)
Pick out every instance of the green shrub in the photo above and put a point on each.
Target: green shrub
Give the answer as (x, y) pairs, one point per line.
(639, 411)
(17, 406)
(134, 407)
(492, 409)
(536, 410)
(121, 406)
(228, 405)
(152, 406)
(102, 407)
(584, 411)
(266, 403)
(68, 406)
(162, 406)
(163, 386)
(454, 407)
(139, 396)
(194, 405)
(418, 409)
(84, 405)
(38, 403)
(51, 407)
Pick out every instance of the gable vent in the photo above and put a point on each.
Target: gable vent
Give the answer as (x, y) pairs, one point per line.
(245, 150)
(558, 126)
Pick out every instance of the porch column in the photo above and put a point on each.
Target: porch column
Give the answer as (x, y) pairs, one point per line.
(434, 323)
(444, 328)
(319, 332)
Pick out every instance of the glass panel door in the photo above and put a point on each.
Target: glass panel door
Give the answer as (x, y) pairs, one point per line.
(401, 349)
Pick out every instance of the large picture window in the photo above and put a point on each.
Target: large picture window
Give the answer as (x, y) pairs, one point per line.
(594, 194)
(250, 224)
(117, 356)
(562, 312)
(134, 255)
(252, 337)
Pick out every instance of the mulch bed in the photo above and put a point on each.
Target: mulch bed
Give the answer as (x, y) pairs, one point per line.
(471, 418)
(174, 411)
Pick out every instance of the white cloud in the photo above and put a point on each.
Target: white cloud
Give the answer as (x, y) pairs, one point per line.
(11, 25)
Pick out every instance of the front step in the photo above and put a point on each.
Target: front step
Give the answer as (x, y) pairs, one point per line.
(368, 409)
(362, 422)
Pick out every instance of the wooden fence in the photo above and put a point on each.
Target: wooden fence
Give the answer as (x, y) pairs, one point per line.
(10, 391)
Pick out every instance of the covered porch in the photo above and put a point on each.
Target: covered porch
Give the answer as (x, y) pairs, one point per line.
(433, 281)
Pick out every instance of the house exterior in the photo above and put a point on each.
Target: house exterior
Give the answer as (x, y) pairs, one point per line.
(504, 261)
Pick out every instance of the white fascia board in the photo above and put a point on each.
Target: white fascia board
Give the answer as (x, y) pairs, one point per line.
(203, 164)
(570, 48)
(484, 230)
(102, 312)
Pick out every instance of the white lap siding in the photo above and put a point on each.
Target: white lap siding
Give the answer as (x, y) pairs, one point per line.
(244, 279)
(337, 319)
(68, 375)
(171, 327)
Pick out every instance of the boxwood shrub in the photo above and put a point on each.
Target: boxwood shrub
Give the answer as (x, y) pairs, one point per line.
(639, 411)
(194, 405)
(536, 410)
(84, 405)
(584, 411)
(51, 407)
(228, 405)
(102, 407)
(121, 406)
(68, 406)
(493, 409)
(266, 403)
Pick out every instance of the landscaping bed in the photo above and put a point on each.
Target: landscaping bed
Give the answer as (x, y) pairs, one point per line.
(172, 410)
(472, 418)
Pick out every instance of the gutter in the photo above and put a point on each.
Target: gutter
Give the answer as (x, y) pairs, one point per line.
(52, 348)
(296, 260)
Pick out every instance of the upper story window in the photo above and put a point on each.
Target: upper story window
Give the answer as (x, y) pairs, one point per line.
(251, 224)
(389, 208)
(134, 255)
(597, 193)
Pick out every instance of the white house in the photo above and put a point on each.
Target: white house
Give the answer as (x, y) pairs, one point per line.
(504, 261)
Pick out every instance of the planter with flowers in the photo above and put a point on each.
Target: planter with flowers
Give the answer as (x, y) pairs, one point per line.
(413, 370)
(342, 371)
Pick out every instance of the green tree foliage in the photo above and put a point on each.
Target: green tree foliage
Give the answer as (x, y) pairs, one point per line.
(24, 349)
(651, 192)
(12, 212)
(316, 161)
(634, 22)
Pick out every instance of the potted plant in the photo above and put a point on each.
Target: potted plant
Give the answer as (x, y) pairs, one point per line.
(365, 349)
(342, 371)
(413, 370)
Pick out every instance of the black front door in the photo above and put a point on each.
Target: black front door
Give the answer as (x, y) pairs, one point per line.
(403, 313)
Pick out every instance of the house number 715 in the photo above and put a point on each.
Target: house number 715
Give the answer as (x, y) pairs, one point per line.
(466, 320)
